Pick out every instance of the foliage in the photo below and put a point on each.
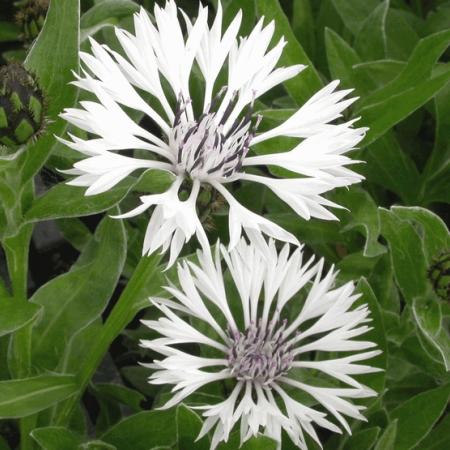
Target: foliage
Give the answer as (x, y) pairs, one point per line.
(54, 334)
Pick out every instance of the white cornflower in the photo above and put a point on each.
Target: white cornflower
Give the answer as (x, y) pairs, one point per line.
(260, 348)
(207, 145)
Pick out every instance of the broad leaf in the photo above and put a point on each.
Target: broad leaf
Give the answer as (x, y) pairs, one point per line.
(438, 439)
(259, 443)
(16, 314)
(363, 439)
(417, 416)
(23, 397)
(143, 431)
(362, 215)
(428, 315)
(189, 425)
(63, 201)
(75, 299)
(56, 438)
(407, 255)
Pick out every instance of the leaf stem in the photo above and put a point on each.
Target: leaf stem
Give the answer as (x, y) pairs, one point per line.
(123, 312)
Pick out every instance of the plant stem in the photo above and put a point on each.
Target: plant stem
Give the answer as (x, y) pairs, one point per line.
(16, 250)
(123, 312)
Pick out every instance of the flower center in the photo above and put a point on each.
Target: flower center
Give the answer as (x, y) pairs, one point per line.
(259, 353)
(207, 148)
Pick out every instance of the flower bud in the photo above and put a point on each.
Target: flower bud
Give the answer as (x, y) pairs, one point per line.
(439, 275)
(31, 17)
(21, 106)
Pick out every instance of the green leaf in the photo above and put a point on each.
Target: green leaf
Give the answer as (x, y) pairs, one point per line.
(382, 116)
(56, 438)
(63, 201)
(385, 160)
(433, 230)
(96, 445)
(380, 72)
(341, 58)
(259, 443)
(363, 216)
(438, 439)
(143, 431)
(417, 70)
(413, 87)
(75, 299)
(120, 394)
(52, 58)
(108, 10)
(75, 232)
(387, 439)
(308, 82)
(371, 41)
(354, 12)
(16, 314)
(376, 380)
(303, 25)
(436, 186)
(23, 397)
(407, 255)
(248, 8)
(363, 439)
(401, 35)
(105, 14)
(428, 315)
(417, 416)
(189, 425)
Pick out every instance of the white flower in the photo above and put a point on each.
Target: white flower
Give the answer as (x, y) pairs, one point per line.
(262, 347)
(206, 145)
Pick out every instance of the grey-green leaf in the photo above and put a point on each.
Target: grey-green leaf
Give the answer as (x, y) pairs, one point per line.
(417, 416)
(143, 431)
(387, 439)
(371, 41)
(75, 299)
(63, 201)
(308, 82)
(23, 397)
(56, 438)
(407, 255)
(16, 314)
(52, 58)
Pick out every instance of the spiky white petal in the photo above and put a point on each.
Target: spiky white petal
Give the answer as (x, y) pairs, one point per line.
(206, 145)
(267, 352)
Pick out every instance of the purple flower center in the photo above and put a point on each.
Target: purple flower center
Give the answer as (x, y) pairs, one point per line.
(259, 354)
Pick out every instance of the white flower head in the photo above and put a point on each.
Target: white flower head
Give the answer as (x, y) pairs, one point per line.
(206, 145)
(262, 349)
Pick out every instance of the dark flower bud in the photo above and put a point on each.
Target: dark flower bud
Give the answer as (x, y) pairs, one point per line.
(21, 106)
(30, 17)
(439, 275)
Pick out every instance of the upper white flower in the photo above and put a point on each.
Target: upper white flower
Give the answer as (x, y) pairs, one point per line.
(204, 145)
(262, 347)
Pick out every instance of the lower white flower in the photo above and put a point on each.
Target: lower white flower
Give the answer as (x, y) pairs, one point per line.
(261, 348)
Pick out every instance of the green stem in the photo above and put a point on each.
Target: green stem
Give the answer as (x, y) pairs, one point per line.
(123, 312)
(16, 251)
